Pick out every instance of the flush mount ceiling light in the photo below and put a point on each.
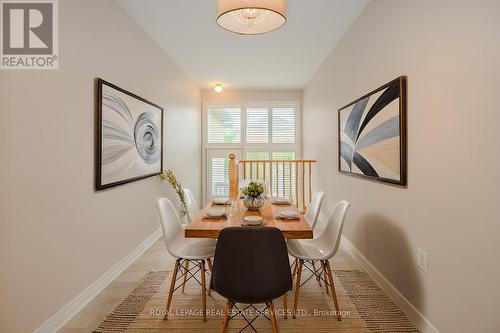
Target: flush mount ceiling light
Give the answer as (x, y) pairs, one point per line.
(218, 88)
(251, 17)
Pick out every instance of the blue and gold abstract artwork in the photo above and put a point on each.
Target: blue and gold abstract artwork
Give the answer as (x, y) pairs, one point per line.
(372, 134)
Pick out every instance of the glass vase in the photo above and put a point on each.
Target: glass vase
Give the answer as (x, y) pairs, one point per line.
(183, 213)
(253, 203)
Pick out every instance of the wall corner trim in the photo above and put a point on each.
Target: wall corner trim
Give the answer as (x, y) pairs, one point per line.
(61, 317)
(417, 317)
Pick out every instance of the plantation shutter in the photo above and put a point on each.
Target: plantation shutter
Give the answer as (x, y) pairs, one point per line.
(283, 125)
(217, 171)
(224, 125)
(257, 123)
(284, 181)
(220, 177)
(254, 131)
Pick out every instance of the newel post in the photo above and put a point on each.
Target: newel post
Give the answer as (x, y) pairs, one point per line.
(233, 177)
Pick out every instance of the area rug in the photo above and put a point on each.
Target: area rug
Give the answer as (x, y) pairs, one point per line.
(364, 308)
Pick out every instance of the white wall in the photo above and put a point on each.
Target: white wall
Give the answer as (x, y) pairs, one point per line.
(243, 95)
(450, 52)
(57, 235)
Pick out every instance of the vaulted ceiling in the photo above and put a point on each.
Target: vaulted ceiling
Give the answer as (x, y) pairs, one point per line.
(283, 59)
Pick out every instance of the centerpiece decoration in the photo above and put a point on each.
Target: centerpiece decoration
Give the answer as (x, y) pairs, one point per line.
(253, 196)
(169, 176)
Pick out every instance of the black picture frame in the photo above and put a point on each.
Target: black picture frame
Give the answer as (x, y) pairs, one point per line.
(402, 82)
(99, 84)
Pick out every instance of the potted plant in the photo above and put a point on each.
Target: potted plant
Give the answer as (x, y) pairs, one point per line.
(253, 196)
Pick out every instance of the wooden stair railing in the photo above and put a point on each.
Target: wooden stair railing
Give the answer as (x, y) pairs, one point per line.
(295, 181)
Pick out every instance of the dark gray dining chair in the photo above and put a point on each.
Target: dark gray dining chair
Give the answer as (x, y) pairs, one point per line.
(251, 267)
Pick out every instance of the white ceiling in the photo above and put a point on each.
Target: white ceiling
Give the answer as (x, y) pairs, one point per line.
(283, 59)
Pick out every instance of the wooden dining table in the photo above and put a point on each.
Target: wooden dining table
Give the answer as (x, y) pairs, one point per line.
(202, 227)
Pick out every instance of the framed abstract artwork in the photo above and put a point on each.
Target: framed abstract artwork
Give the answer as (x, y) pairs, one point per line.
(129, 137)
(372, 134)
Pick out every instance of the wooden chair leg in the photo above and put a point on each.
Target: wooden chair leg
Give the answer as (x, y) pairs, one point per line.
(210, 266)
(294, 271)
(272, 316)
(326, 280)
(186, 267)
(285, 305)
(297, 287)
(203, 290)
(172, 286)
(227, 311)
(332, 286)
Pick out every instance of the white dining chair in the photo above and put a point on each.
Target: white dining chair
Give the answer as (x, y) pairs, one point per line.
(191, 205)
(186, 250)
(311, 217)
(192, 210)
(321, 249)
(312, 213)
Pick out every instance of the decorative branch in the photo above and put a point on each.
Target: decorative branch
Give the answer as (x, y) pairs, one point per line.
(169, 176)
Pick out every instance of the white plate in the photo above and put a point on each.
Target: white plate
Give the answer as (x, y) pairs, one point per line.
(220, 201)
(216, 212)
(252, 220)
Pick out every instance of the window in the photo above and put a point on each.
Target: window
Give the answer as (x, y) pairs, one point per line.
(217, 165)
(224, 125)
(283, 178)
(257, 173)
(283, 125)
(257, 125)
(220, 180)
(259, 131)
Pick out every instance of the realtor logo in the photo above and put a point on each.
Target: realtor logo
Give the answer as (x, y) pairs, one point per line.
(29, 34)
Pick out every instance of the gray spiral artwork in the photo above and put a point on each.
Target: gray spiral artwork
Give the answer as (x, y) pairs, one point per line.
(131, 138)
(147, 138)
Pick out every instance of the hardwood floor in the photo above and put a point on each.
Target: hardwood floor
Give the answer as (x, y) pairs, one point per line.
(154, 259)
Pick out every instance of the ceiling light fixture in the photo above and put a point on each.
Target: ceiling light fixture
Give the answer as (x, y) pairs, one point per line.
(218, 88)
(251, 17)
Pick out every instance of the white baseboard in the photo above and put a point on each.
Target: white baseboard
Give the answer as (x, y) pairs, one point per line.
(61, 317)
(417, 317)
